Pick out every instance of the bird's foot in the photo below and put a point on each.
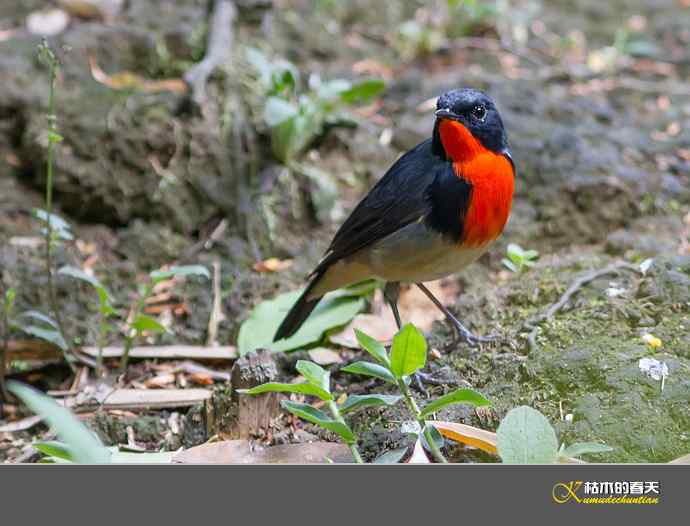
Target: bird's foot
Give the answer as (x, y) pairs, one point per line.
(421, 380)
(462, 333)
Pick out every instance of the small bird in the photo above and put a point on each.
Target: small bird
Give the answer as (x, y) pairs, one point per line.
(435, 211)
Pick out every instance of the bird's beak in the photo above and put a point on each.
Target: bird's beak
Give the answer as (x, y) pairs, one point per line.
(445, 113)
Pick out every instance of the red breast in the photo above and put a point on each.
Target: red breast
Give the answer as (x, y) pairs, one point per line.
(492, 178)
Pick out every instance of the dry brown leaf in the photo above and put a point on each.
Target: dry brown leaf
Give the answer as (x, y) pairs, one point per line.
(163, 352)
(272, 265)
(323, 356)
(201, 378)
(471, 436)
(160, 381)
(126, 80)
(419, 456)
(241, 452)
(380, 327)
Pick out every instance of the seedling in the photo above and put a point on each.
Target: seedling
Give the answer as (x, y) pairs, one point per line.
(296, 117)
(518, 259)
(141, 322)
(407, 356)
(525, 436)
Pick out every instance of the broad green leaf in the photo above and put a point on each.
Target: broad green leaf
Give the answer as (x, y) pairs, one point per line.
(188, 270)
(459, 396)
(258, 330)
(408, 353)
(436, 436)
(144, 322)
(50, 335)
(53, 448)
(363, 91)
(315, 374)
(319, 418)
(10, 296)
(79, 274)
(56, 221)
(373, 347)
(39, 316)
(370, 369)
(80, 441)
(333, 88)
(356, 402)
(393, 456)
(277, 111)
(55, 137)
(525, 436)
(301, 388)
(581, 448)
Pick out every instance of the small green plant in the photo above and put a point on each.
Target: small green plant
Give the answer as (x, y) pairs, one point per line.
(525, 436)
(78, 443)
(296, 116)
(105, 307)
(141, 322)
(406, 357)
(518, 259)
(55, 229)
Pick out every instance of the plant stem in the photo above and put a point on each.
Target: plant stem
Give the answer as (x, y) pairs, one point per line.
(353, 446)
(52, 130)
(414, 408)
(133, 334)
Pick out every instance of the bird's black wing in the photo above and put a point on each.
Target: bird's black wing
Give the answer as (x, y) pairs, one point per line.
(399, 198)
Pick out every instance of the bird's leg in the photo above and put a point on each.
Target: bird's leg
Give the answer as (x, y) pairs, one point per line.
(462, 331)
(391, 292)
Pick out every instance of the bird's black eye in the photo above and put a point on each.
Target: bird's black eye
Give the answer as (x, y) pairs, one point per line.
(479, 112)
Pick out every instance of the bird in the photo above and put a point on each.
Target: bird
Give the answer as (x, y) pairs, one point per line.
(436, 210)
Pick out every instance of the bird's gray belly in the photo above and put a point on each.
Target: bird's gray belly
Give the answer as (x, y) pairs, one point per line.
(416, 253)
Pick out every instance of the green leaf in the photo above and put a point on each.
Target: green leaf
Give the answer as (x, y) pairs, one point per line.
(10, 296)
(370, 369)
(333, 88)
(259, 329)
(373, 347)
(188, 270)
(356, 402)
(300, 388)
(77, 273)
(581, 448)
(525, 436)
(53, 448)
(363, 91)
(319, 418)
(55, 137)
(460, 396)
(278, 110)
(56, 221)
(315, 374)
(144, 322)
(393, 456)
(50, 335)
(408, 353)
(39, 316)
(510, 265)
(81, 442)
(436, 436)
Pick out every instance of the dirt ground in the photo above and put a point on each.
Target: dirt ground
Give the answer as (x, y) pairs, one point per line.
(595, 99)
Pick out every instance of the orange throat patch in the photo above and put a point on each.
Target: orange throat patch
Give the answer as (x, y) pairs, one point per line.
(492, 178)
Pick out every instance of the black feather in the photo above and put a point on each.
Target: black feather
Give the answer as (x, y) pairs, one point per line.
(299, 312)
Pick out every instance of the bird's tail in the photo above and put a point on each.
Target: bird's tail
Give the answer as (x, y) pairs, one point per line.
(299, 312)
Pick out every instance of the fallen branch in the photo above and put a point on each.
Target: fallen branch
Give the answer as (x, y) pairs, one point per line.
(533, 325)
(218, 49)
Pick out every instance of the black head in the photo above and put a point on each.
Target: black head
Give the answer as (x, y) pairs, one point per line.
(478, 113)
